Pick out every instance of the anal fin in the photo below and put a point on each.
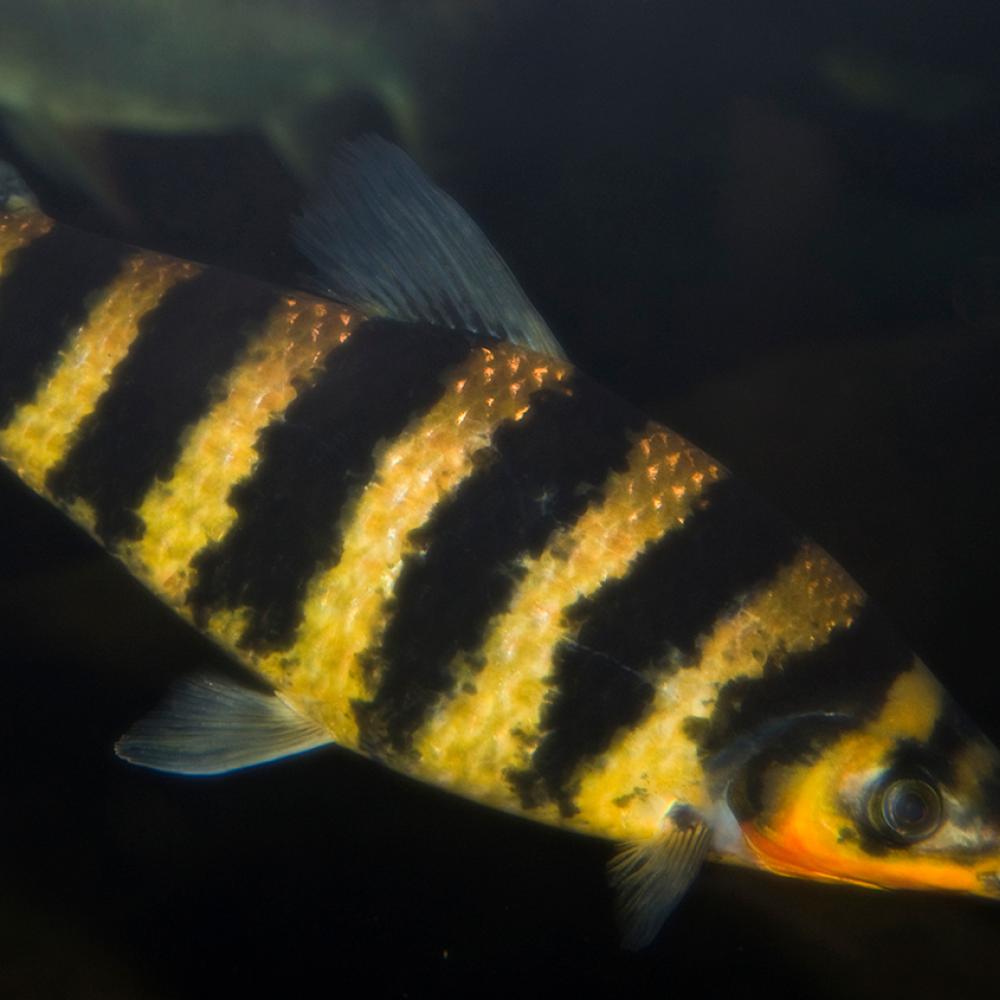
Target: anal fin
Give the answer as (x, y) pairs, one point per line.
(211, 725)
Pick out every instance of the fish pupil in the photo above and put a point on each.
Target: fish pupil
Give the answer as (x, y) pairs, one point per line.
(910, 809)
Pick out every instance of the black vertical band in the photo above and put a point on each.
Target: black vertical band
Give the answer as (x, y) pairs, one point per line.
(802, 702)
(646, 621)
(311, 464)
(43, 299)
(164, 385)
(539, 474)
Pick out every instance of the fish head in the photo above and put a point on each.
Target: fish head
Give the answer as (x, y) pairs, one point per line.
(908, 798)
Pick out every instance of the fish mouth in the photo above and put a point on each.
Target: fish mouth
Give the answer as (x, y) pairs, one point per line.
(990, 882)
(788, 855)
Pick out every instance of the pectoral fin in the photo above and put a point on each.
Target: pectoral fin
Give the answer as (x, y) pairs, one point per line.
(650, 876)
(211, 725)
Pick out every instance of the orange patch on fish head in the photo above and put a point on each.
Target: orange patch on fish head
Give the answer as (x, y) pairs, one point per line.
(909, 800)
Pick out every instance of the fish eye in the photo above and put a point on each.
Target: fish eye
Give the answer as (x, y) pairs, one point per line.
(905, 810)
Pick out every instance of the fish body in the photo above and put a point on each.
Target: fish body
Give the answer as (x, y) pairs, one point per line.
(443, 546)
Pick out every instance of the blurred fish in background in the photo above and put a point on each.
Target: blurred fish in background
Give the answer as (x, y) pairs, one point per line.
(70, 71)
(243, 98)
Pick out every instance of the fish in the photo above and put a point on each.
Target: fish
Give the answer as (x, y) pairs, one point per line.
(294, 72)
(430, 539)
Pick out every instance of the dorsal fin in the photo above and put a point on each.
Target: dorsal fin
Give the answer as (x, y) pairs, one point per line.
(388, 242)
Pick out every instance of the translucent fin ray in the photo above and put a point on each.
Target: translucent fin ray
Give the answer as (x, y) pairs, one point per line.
(210, 725)
(387, 242)
(15, 195)
(650, 877)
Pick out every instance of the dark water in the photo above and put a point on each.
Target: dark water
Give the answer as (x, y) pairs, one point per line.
(800, 273)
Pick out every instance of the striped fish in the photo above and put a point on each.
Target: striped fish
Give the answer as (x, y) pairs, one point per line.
(440, 545)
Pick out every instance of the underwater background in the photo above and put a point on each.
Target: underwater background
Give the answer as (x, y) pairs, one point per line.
(775, 227)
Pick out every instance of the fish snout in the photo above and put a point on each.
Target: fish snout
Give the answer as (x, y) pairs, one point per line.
(990, 883)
